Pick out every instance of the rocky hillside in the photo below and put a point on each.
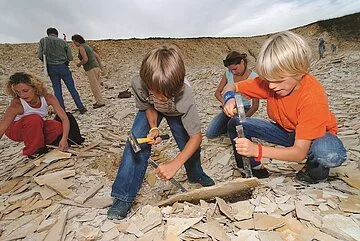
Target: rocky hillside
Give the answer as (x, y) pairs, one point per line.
(123, 57)
(58, 197)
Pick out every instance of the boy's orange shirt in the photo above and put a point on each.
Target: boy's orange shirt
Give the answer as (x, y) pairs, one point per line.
(305, 111)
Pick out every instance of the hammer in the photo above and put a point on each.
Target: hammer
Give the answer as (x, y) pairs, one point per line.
(136, 147)
(147, 139)
(240, 132)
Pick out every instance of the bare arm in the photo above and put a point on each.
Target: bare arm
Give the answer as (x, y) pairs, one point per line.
(51, 100)
(68, 53)
(168, 170)
(254, 107)
(152, 116)
(295, 153)
(11, 112)
(83, 55)
(220, 88)
(40, 51)
(230, 104)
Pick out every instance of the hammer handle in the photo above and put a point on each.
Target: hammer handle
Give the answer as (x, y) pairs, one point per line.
(145, 139)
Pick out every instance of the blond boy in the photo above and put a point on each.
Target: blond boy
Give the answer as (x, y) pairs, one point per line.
(297, 105)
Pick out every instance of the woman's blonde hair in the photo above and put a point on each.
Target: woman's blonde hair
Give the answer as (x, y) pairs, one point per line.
(25, 78)
(163, 71)
(285, 54)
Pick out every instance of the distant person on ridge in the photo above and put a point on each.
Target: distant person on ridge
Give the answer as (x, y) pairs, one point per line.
(91, 63)
(57, 56)
(333, 48)
(64, 36)
(321, 48)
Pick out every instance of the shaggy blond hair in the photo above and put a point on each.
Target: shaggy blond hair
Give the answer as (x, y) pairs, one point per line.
(163, 71)
(285, 54)
(25, 78)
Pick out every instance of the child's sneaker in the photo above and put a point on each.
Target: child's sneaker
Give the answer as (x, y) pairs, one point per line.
(118, 210)
(260, 172)
(204, 181)
(304, 178)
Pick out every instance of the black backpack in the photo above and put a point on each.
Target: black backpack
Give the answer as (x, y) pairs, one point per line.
(74, 132)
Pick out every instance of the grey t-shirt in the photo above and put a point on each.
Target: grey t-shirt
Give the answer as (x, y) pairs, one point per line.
(184, 105)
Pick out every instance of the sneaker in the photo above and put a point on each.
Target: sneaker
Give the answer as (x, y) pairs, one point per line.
(82, 110)
(118, 210)
(304, 178)
(96, 105)
(204, 181)
(260, 173)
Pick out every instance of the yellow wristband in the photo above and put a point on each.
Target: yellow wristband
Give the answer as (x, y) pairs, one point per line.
(154, 128)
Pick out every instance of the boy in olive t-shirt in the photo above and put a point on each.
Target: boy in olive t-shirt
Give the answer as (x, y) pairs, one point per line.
(160, 92)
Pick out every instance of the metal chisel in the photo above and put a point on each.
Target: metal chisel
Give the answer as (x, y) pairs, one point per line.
(172, 180)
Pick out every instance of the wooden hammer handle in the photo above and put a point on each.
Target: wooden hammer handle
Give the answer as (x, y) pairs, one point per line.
(146, 139)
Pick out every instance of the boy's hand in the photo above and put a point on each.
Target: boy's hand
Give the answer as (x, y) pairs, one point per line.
(153, 135)
(167, 170)
(245, 147)
(229, 107)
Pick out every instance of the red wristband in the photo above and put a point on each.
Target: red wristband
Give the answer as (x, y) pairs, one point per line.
(258, 158)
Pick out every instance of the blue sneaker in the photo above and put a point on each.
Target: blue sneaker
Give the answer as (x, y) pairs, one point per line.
(118, 210)
(204, 180)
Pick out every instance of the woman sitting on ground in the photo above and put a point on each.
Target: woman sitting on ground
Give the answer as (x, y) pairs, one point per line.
(23, 119)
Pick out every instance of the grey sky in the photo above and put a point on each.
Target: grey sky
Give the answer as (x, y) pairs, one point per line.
(27, 20)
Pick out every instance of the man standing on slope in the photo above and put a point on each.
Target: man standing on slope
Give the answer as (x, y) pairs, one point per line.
(57, 54)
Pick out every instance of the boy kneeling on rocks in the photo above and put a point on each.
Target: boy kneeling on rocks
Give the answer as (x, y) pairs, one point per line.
(297, 105)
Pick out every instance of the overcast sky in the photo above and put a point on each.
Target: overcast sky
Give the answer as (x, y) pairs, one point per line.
(27, 20)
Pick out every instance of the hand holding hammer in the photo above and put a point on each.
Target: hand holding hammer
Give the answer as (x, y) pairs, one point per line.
(153, 137)
(164, 171)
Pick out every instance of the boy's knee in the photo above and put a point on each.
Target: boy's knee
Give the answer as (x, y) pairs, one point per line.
(209, 134)
(329, 153)
(232, 123)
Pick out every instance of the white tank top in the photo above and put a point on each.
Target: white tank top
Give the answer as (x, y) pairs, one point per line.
(28, 110)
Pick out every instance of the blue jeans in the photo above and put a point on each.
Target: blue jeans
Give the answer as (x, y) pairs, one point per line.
(325, 152)
(218, 125)
(133, 165)
(58, 72)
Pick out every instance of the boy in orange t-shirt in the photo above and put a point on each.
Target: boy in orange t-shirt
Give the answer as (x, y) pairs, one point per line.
(297, 106)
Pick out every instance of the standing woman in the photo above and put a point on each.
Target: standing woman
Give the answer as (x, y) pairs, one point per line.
(91, 63)
(23, 119)
(237, 71)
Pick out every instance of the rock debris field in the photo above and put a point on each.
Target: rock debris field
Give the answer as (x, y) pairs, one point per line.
(65, 196)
